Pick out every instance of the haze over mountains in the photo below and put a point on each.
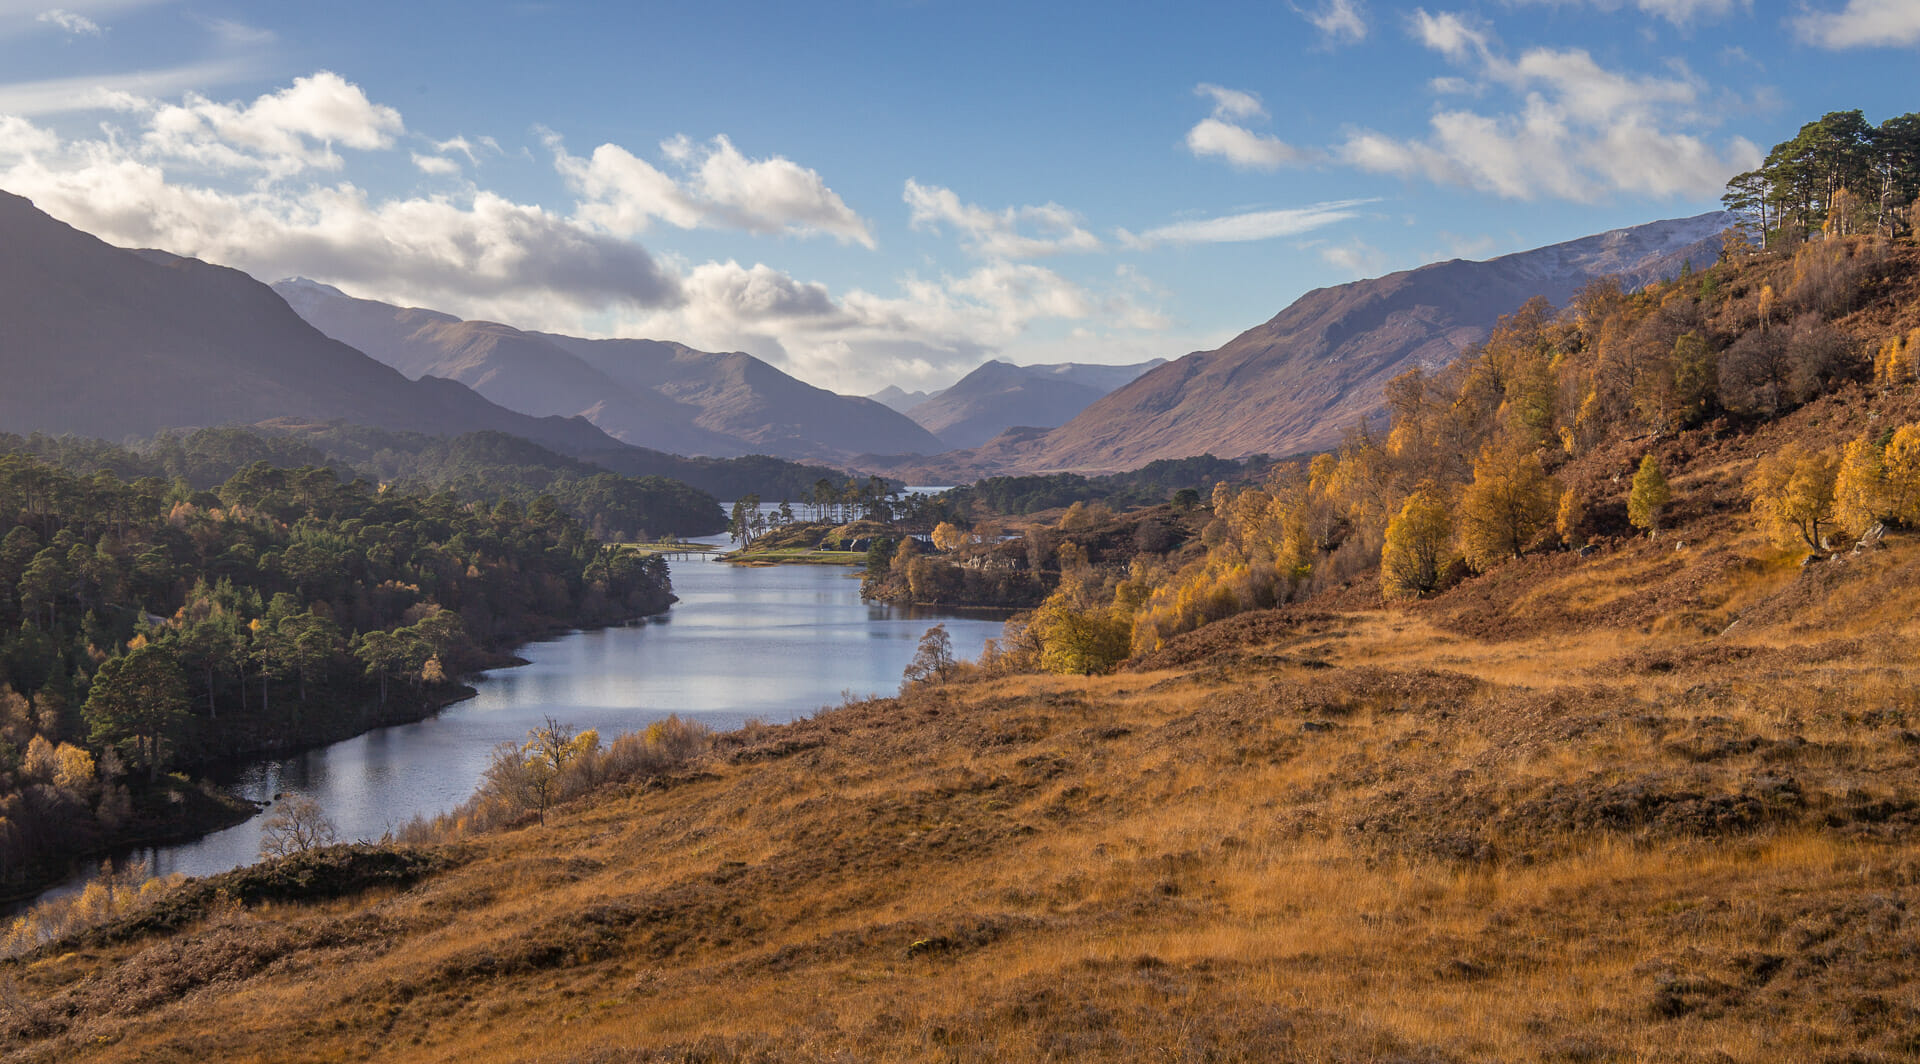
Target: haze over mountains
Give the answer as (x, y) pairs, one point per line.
(106, 342)
(650, 393)
(1320, 366)
(999, 395)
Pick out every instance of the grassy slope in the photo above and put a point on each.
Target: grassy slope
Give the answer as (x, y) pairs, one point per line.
(1553, 814)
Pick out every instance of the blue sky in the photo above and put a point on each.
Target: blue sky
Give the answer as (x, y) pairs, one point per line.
(890, 192)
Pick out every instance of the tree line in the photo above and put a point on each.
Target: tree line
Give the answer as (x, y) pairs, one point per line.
(1838, 175)
(480, 466)
(1468, 474)
(147, 626)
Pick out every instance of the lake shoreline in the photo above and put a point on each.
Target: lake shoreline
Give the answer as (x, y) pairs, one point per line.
(223, 809)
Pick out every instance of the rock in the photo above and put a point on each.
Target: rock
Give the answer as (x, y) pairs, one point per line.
(1589, 550)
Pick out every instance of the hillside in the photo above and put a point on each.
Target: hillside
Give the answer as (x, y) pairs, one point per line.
(1319, 367)
(998, 396)
(111, 343)
(648, 393)
(1336, 832)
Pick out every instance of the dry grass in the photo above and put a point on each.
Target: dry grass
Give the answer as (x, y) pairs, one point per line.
(1369, 836)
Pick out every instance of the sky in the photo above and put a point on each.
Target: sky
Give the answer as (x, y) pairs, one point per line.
(877, 192)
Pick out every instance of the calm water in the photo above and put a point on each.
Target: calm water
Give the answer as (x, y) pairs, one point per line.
(773, 643)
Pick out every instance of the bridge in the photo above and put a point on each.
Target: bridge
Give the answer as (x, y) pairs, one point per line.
(676, 552)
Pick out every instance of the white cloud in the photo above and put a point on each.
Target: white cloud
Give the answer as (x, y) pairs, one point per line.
(436, 165)
(478, 254)
(1579, 131)
(930, 331)
(1448, 34)
(1340, 20)
(76, 24)
(90, 92)
(1231, 103)
(1862, 24)
(1253, 225)
(1240, 146)
(248, 184)
(468, 148)
(1223, 136)
(997, 234)
(281, 133)
(719, 188)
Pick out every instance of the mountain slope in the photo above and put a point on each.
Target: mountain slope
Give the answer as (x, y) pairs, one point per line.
(106, 342)
(518, 370)
(998, 396)
(747, 399)
(645, 392)
(1319, 366)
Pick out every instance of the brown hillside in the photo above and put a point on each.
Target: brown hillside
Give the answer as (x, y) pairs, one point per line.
(1318, 367)
(1594, 824)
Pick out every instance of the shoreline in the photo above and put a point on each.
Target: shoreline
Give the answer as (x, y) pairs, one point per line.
(215, 778)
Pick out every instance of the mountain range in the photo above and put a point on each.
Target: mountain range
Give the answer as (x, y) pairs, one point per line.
(999, 395)
(106, 342)
(114, 343)
(1300, 380)
(649, 393)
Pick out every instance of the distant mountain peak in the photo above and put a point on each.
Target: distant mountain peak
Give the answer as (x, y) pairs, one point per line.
(307, 284)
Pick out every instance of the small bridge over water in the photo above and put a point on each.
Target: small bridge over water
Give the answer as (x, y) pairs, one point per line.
(676, 552)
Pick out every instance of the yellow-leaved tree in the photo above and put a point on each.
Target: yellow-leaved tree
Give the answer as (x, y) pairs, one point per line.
(1079, 640)
(1649, 496)
(1860, 488)
(1792, 495)
(1878, 483)
(1418, 549)
(1900, 476)
(1509, 502)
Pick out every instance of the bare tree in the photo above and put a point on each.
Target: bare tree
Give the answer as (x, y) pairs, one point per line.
(296, 825)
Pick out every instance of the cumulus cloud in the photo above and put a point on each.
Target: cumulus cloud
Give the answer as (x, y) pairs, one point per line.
(998, 234)
(1339, 20)
(1862, 24)
(281, 133)
(1580, 131)
(717, 187)
(477, 251)
(1449, 34)
(76, 24)
(929, 331)
(1222, 134)
(1252, 225)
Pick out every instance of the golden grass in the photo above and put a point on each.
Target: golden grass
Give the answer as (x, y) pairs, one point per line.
(1609, 845)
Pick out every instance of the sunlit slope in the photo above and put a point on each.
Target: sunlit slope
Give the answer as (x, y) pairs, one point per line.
(1624, 832)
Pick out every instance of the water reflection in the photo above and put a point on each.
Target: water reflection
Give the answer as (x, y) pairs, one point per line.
(768, 643)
